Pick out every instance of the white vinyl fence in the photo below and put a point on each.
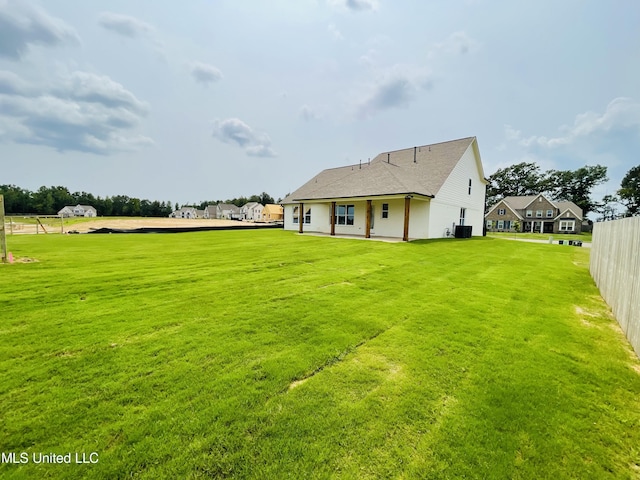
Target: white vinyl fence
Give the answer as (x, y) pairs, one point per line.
(615, 267)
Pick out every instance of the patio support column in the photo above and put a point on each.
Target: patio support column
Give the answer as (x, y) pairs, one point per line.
(407, 208)
(367, 232)
(333, 218)
(300, 216)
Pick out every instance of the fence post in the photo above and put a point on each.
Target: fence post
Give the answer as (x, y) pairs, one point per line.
(3, 238)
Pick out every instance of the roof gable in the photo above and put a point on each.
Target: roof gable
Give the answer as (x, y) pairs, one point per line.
(506, 205)
(536, 197)
(563, 212)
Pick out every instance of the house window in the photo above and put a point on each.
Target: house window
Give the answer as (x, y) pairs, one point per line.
(500, 224)
(502, 211)
(549, 213)
(539, 213)
(385, 210)
(296, 214)
(507, 224)
(345, 214)
(529, 213)
(567, 225)
(463, 212)
(307, 216)
(469, 186)
(489, 224)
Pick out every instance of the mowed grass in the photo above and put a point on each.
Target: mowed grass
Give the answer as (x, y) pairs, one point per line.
(583, 237)
(265, 354)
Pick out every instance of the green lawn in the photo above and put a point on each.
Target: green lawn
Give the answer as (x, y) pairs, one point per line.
(585, 236)
(265, 354)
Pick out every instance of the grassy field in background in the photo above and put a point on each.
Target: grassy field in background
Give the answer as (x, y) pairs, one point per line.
(265, 354)
(584, 237)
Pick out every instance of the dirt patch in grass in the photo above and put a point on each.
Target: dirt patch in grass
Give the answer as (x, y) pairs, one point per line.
(22, 260)
(130, 224)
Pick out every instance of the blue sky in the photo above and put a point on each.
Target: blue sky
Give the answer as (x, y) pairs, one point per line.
(203, 100)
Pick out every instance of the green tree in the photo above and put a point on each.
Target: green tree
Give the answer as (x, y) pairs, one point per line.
(576, 186)
(16, 199)
(629, 191)
(61, 198)
(517, 180)
(266, 198)
(43, 201)
(608, 208)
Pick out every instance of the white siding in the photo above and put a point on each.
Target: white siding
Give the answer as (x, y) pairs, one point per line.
(454, 194)
(393, 225)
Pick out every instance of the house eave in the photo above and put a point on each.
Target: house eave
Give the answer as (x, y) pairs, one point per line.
(399, 195)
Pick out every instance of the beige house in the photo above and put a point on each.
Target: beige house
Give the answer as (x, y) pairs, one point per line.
(430, 191)
(534, 213)
(272, 213)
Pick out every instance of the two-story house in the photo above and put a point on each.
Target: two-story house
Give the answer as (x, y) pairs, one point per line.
(534, 213)
(78, 211)
(252, 212)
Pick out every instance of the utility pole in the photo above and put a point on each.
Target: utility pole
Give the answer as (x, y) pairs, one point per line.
(3, 239)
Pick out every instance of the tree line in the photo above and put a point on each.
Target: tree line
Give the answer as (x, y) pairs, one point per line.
(50, 200)
(567, 185)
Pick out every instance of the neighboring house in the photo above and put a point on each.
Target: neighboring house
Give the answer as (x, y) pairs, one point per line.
(534, 213)
(228, 211)
(210, 212)
(252, 211)
(272, 213)
(185, 212)
(78, 211)
(419, 192)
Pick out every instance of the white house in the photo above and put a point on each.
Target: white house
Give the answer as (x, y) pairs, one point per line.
(419, 192)
(252, 211)
(184, 212)
(78, 211)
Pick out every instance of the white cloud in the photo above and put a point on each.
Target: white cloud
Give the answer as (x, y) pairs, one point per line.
(124, 24)
(92, 88)
(235, 131)
(23, 25)
(81, 112)
(205, 73)
(260, 151)
(12, 84)
(355, 5)
(621, 114)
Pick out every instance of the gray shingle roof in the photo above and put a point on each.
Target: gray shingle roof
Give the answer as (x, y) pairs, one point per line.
(229, 206)
(389, 173)
(520, 203)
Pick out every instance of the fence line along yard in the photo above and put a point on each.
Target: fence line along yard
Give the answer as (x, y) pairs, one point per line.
(615, 267)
